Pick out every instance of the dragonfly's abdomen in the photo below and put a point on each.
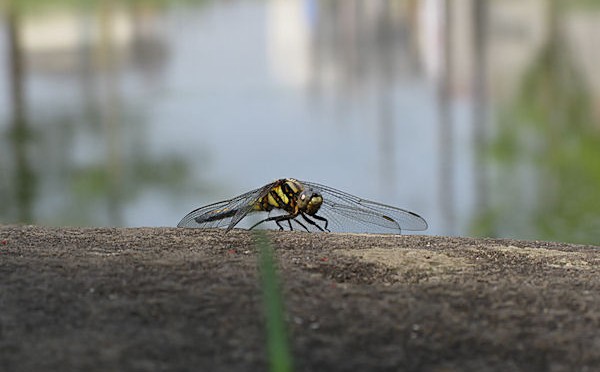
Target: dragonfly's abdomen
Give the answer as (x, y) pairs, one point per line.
(216, 215)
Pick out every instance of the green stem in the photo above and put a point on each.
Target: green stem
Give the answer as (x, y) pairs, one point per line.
(278, 347)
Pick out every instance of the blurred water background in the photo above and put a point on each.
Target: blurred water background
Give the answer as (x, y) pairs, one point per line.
(482, 116)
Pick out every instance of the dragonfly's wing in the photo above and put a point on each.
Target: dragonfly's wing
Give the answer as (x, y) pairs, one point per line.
(248, 207)
(346, 212)
(207, 216)
(224, 213)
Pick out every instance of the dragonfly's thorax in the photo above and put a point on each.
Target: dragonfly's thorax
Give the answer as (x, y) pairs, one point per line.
(291, 196)
(282, 195)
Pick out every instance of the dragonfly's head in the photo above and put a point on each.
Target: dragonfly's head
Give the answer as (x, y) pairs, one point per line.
(309, 201)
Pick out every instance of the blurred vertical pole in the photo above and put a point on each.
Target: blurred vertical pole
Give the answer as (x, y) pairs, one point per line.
(387, 164)
(446, 185)
(317, 36)
(111, 111)
(480, 21)
(87, 69)
(24, 178)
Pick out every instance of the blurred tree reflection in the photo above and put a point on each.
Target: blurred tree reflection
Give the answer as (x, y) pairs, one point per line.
(46, 178)
(548, 148)
(17, 201)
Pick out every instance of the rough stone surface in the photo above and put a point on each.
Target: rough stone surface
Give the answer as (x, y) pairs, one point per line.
(166, 299)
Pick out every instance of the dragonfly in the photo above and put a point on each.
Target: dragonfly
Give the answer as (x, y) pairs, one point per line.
(290, 203)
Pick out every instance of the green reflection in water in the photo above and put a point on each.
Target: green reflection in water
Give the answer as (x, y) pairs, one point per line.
(548, 152)
(40, 179)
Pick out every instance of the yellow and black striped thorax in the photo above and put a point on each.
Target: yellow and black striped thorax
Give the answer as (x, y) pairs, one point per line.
(282, 194)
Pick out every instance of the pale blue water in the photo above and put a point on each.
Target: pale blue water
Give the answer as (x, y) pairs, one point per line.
(135, 115)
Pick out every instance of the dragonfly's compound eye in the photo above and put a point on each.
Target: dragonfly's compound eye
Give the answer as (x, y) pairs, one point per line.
(310, 201)
(303, 200)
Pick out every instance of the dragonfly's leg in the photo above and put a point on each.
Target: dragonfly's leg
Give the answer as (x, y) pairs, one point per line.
(277, 220)
(322, 219)
(278, 224)
(312, 222)
(289, 218)
(256, 224)
(301, 224)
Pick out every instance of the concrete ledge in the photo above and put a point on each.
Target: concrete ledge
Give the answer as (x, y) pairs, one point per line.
(152, 299)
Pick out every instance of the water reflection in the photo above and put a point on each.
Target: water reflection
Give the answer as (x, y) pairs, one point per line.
(79, 153)
(548, 149)
(18, 133)
(480, 115)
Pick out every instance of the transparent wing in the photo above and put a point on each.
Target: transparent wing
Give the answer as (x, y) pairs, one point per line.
(225, 213)
(349, 213)
(344, 212)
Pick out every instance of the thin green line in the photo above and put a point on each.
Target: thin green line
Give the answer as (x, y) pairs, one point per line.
(279, 355)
